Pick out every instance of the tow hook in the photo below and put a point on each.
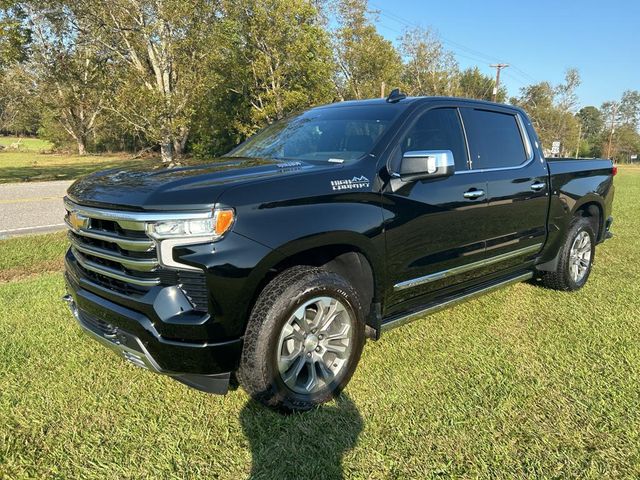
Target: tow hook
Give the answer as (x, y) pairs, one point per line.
(68, 299)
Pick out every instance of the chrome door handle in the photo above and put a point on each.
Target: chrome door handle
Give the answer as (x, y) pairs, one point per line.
(536, 187)
(472, 194)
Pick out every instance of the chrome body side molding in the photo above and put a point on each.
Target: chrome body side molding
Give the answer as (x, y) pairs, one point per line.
(414, 282)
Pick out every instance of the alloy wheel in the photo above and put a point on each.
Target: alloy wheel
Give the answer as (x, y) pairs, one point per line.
(580, 256)
(315, 344)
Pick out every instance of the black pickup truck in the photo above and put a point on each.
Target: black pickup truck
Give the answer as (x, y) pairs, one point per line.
(271, 265)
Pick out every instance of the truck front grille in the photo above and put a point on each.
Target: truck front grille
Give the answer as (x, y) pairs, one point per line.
(113, 250)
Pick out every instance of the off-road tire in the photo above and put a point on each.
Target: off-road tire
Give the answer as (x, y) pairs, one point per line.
(258, 373)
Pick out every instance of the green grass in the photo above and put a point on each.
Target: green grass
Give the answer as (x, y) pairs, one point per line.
(522, 383)
(36, 167)
(27, 143)
(31, 255)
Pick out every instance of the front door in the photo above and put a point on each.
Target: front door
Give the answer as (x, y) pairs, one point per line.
(434, 227)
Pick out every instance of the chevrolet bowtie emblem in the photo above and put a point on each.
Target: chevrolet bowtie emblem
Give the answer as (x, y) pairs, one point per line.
(77, 221)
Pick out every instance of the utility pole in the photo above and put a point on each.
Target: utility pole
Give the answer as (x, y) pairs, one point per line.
(614, 111)
(498, 67)
(579, 137)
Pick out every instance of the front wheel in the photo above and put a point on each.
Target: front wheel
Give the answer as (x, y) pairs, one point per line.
(303, 340)
(575, 258)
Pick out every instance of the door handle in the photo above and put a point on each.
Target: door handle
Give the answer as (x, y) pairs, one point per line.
(537, 186)
(473, 194)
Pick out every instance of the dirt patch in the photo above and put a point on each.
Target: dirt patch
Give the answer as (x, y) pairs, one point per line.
(21, 273)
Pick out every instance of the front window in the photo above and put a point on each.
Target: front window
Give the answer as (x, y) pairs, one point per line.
(322, 134)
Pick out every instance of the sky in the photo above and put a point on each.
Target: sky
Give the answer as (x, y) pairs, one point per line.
(540, 39)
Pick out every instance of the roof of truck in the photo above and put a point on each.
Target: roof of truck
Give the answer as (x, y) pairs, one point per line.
(410, 100)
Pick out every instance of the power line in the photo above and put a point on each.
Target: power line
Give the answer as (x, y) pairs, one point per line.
(476, 55)
(516, 79)
(406, 23)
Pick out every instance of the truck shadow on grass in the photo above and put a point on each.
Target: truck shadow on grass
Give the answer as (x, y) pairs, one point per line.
(301, 445)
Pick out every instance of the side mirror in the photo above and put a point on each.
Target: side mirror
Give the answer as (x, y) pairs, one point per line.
(422, 164)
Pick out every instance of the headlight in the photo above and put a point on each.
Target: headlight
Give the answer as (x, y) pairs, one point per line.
(176, 233)
(213, 227)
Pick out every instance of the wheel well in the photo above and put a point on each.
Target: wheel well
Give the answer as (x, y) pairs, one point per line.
(593, 211)
(344, 260)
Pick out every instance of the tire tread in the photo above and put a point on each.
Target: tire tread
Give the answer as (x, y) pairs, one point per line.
(253, 373)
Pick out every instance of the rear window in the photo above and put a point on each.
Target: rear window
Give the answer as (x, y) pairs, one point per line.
(494, 139)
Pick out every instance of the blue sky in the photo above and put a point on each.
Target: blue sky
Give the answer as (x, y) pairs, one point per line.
(540, 39)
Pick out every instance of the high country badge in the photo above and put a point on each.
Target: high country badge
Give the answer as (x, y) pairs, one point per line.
(351, 184)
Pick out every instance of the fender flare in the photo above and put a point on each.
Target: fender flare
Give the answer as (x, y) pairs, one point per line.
(590, 198)
(337, 239)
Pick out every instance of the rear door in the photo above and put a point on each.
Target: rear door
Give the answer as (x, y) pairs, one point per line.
(517, 184)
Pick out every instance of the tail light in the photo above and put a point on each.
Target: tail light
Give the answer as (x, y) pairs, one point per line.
(614, 170)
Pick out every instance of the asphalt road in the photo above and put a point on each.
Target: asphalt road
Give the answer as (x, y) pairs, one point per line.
(27, 208)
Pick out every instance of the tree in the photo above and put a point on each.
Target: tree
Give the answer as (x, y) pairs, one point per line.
(14, 33)
(69, 72)
(159, 52)
(592, 121)
(281, 58)
(592, 126)
(428, 68)
(551, 111)
(472, 83)
(620, 137)
(273, 58)
(565, 93)
(630, 108)
(367, 62)
(625, 142)
(20, 104)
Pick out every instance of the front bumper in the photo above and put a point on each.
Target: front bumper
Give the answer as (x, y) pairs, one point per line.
(202, 365)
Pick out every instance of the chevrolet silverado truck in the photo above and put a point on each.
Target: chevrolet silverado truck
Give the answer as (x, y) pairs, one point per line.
(270, 266)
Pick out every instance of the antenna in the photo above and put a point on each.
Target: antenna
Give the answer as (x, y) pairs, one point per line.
(396, 95)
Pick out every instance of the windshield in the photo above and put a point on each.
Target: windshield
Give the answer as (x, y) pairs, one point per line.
(338, 133)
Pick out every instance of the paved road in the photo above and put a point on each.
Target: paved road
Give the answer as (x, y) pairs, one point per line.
(32, 207)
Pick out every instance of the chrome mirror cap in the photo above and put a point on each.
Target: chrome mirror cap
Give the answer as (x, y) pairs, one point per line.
(419, 164)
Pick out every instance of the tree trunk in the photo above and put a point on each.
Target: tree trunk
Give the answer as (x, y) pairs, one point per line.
(166, 151)
(180, 142)
(82, 146)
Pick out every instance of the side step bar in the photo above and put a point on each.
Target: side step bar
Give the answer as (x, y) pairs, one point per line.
(450, 302)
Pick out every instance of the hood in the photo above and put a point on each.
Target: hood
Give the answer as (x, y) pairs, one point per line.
(186, 187)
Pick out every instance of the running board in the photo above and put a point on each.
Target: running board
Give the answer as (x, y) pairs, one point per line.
(398, 321)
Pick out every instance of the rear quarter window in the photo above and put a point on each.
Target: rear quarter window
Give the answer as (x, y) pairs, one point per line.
(495, 140)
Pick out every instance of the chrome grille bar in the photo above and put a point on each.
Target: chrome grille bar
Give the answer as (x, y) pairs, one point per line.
(112, 272)
(115, 244)
(140, 264)
(134, 220)
(131, 244)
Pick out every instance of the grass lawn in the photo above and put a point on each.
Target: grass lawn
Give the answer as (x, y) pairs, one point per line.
(525, 382)
(27, 143)
(31, 255)
(29, 164)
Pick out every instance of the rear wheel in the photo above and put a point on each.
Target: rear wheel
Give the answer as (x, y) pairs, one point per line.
(303, 340)
(575, 258)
